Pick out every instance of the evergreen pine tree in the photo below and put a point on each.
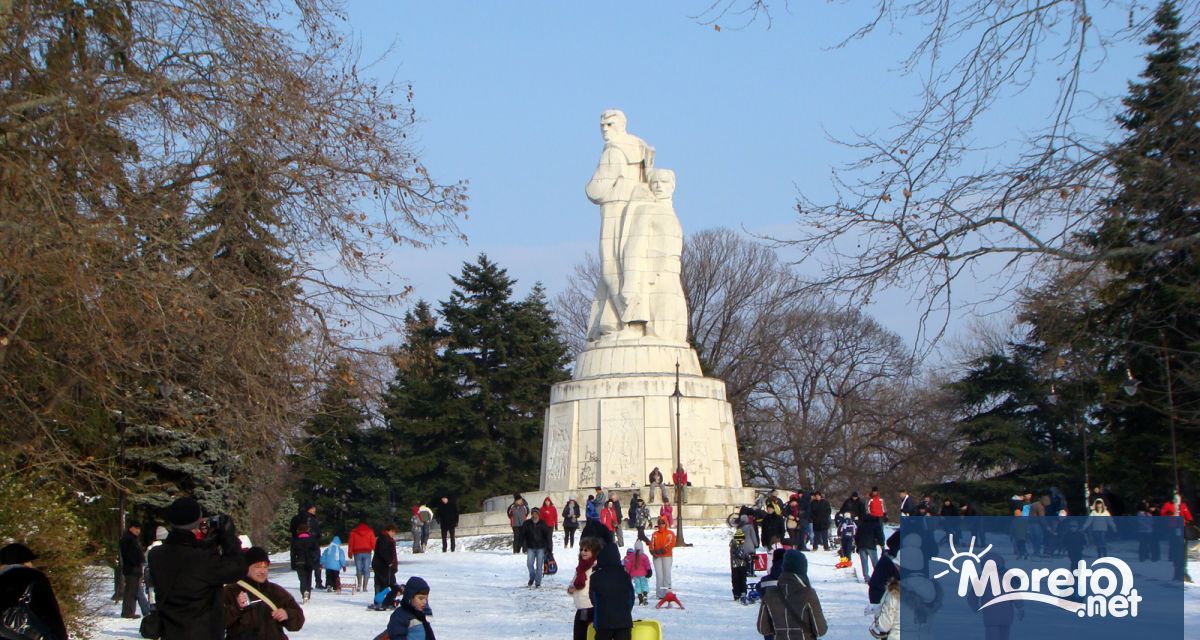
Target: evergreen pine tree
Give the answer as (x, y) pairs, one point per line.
(327, 462)
(1149, 316)
(1017, 434)
(419, 450)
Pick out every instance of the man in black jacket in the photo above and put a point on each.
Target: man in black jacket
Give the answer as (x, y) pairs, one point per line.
(537, 539)
(133, 561)
(384, 562)
(821, 513)
(446, 511)
(189, 569)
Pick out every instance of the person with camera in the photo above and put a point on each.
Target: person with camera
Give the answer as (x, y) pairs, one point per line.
(257, 609)
(197, 559)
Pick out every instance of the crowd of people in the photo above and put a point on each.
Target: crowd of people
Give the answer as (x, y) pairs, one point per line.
(199, 579)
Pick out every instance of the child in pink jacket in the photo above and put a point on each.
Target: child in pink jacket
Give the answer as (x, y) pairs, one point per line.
(637, 565)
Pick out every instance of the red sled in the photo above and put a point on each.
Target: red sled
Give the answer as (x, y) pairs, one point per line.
(844, 564)
(667, 600)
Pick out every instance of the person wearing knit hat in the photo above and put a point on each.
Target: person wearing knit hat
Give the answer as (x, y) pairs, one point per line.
(184, 513)
(19, 577)
(189, 570)
(791, 609)
(255, 607)
(740, 564)
(410, 620)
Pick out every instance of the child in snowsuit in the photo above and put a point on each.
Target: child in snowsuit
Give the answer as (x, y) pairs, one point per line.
(410, 621)
(740, 563)
(334, 561)
(847, 530)
(637, 565)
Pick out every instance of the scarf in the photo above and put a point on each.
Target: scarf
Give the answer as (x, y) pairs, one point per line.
(581, 572)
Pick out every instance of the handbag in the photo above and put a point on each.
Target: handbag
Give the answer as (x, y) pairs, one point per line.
(19, 622)
(550, 566)
(151, 626)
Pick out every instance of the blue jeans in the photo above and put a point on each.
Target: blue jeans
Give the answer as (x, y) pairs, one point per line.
(533, 561)
(362, 564)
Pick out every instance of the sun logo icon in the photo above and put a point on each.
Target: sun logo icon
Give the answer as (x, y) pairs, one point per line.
(958, 558)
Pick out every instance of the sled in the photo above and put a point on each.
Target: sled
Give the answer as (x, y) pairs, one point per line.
(666, 600)
(642, 630)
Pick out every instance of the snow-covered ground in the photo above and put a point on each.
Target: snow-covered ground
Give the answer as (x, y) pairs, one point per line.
(480, 592)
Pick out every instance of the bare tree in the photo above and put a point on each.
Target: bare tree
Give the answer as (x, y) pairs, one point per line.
(938, 197)
(820, 397)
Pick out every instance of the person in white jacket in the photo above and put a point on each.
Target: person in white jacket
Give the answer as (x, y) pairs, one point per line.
(589, 548)
(887, 619)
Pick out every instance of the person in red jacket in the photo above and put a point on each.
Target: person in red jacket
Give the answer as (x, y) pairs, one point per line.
(549, 513)
(362, 543)
(1176, 537)
(608, 516)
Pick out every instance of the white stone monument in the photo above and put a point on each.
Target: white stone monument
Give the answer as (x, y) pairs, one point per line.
(615, 420)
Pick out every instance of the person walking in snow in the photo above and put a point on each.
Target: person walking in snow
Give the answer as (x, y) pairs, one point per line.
(589, 550)
(611, 593)
(822, 517)
(549, 514)
(570, 518)
(362, 544)
(662, 550)
(792, 610)
(608, 517)
(414, 528)
(334, 561)
(637, 565)
(306, 560)
(518, 511)
(740, 564)
(19, 578)
(618, 520)
(257, 609)
(592, 510)
(446, 511)
(133, 561)
(308, 516)
(538, 542)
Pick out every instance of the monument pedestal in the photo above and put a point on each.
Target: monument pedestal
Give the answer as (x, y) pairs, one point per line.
(614, 422)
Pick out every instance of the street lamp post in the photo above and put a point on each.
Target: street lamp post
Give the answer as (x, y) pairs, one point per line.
(680, 476)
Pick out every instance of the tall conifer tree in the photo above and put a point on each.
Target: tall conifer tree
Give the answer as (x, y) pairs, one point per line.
(1149, 317)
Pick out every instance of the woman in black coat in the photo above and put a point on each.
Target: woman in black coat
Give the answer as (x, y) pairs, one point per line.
(611, 592)
(18, 577)
(772, 526)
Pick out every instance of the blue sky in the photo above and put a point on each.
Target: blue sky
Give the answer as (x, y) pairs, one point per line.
(509, 96)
